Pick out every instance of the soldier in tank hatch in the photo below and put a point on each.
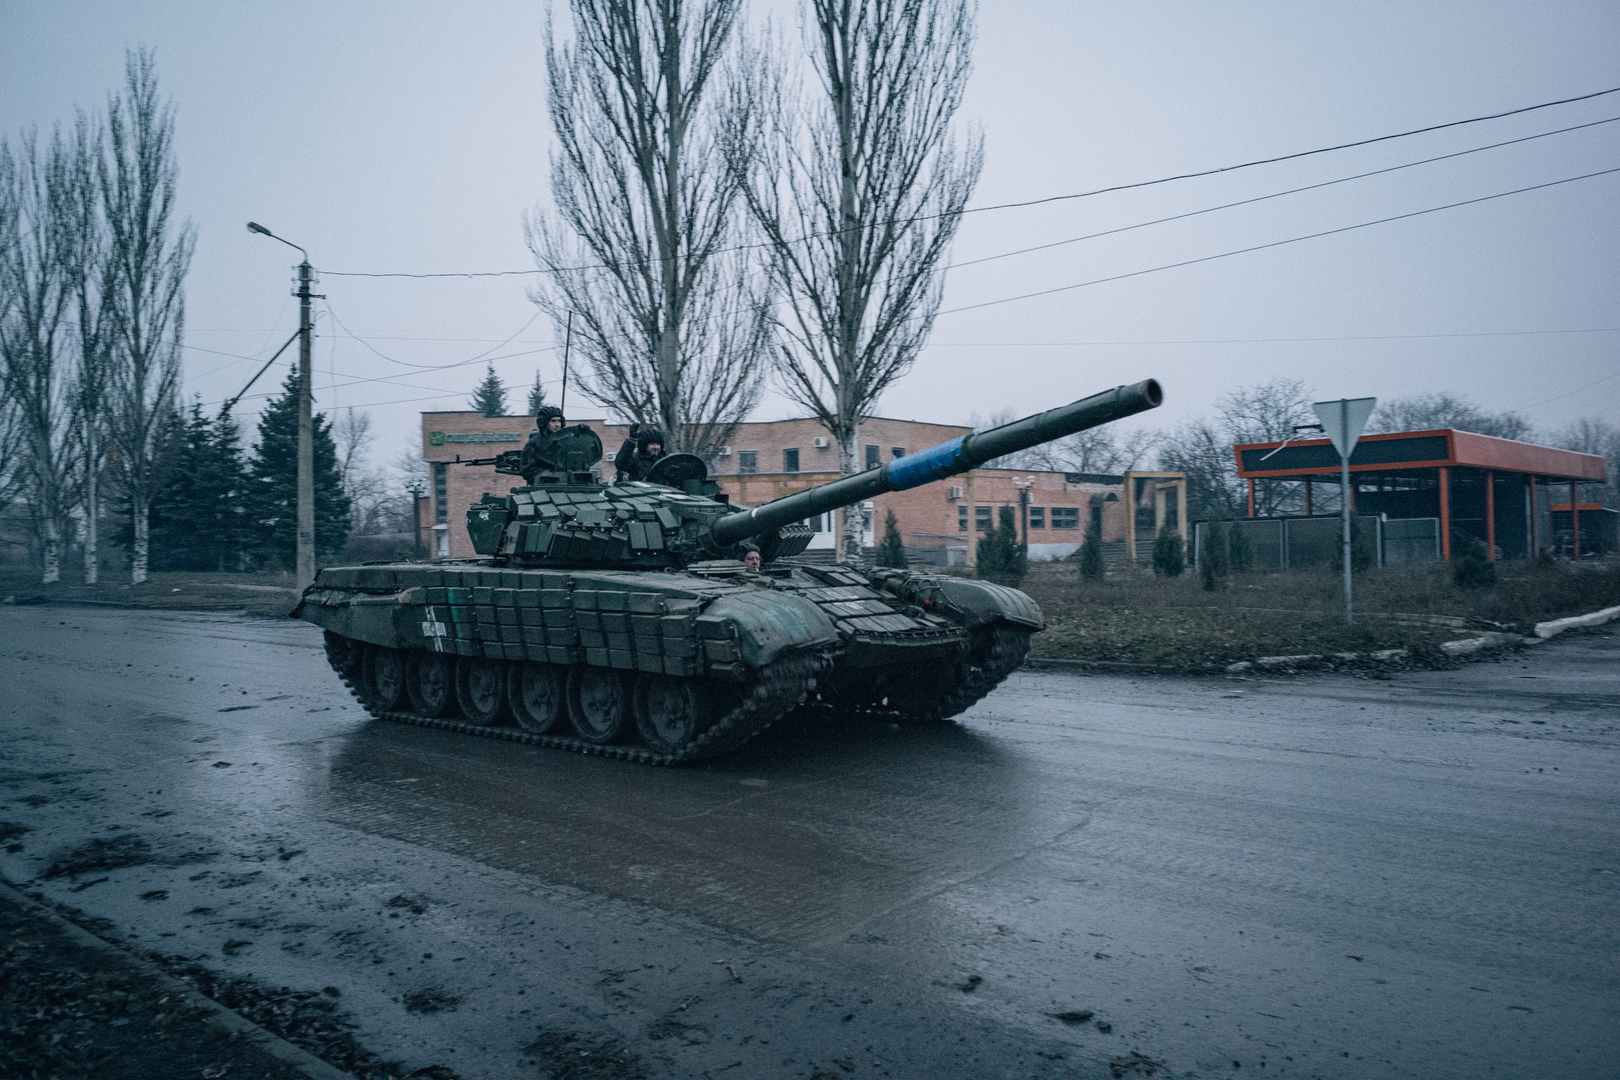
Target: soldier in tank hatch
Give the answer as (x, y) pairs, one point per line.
(549, 423)
(639, 453)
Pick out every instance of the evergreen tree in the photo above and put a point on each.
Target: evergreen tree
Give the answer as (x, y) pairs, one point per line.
(1473, 571)
(197, 516)
(891, 551)
(489, 396)
(537, 396)
(1002, 558)
(1242, 555)
(1169, 554)
(1213, 561)
(1091, 555)
(272, 501)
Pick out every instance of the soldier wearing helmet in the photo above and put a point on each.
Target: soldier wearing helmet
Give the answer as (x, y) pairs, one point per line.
(549, 423)
(639, 453)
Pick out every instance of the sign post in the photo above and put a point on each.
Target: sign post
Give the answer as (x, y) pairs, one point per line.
(1343, 420)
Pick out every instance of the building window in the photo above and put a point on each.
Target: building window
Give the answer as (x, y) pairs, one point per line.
(872, 461)
(1065, 517)
(898, 451)
(814, 523)
(1037, 517)
(981, 519)
(961, 519)
(748, 461)
(790, 460)
(441, 498)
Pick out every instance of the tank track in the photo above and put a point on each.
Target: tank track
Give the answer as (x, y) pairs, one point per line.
(996, 652)
(996, 655)
(776, 689)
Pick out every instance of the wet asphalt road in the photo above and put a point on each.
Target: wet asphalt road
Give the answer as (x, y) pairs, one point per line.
(1324, 876)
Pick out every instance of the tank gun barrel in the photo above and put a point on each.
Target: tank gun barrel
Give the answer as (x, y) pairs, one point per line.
(946, 459)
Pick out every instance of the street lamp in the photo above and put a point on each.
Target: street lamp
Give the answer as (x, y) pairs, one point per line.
(1024, 499)
(306, 433)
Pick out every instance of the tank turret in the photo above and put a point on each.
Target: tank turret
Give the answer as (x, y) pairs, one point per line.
(678, 516)
(617, 619)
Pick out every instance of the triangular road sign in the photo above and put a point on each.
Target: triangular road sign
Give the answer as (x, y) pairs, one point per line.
(1343, 420)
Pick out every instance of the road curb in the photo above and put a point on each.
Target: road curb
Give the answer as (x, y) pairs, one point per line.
(1558, 626)
(277, 1047)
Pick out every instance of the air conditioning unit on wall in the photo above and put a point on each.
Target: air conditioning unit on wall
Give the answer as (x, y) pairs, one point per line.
(725, 451)
(955, 493)
(821, 442)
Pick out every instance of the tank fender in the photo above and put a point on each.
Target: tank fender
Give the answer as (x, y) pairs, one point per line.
(980, 602)
(381, 620)
(766, 624)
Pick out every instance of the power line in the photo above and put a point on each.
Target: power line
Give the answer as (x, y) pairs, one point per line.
(1266, 340)
(1275, 243)
(1292, 157)
(1053, 198)
(1275, 195)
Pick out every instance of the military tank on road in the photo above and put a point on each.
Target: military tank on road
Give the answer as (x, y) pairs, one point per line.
(620, 619)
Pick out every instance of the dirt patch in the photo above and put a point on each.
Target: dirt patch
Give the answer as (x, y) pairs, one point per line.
(306, 1018)
(101, 854)
(69, 1010)
(567, 1056)
(430, 999)
(1177, 625)
(255, 594)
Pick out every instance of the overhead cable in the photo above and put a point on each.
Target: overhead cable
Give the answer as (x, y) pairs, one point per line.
(1274, 243)
(1057, 198)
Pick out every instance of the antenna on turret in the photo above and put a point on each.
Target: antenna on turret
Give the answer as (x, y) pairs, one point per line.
(568, 340)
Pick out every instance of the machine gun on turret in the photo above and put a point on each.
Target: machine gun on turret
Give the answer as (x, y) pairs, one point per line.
(506, 462)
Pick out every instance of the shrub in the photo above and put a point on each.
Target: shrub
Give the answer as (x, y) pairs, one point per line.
(1242, 555)
(1362, 556)
(1475, 569)
(891, 551)
(1212, 554)
(1169, 554)
(1002, 558)
(1091, 556)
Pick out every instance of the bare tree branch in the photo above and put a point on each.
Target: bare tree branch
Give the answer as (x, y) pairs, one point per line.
(146, 269)
(671, 324)
(858, 186)
(35, 245)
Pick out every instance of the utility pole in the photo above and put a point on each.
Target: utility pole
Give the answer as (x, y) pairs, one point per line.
(306, 424)
(306, 434)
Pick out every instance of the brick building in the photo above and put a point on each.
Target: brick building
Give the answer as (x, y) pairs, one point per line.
(768, 460)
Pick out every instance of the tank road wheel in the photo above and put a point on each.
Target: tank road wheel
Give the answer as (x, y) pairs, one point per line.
(343, 654)
(481, 689)
(384, 678)
(536, 694)
(670, 712)
(432, 684)
(598, 703)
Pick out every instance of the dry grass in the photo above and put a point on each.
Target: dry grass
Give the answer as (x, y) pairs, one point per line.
(1153, 620)
(256, 594)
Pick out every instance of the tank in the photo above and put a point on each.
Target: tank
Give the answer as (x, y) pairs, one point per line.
(620, 619)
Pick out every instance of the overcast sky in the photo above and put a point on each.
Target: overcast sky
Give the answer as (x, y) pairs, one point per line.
(410, 138)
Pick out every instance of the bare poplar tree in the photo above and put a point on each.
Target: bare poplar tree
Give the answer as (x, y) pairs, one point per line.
(86, 269)
(642, 245)
(147, 259)
(38, 300)
(858, 187)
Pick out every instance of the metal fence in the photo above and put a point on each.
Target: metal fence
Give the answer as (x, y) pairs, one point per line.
(1297, 543)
